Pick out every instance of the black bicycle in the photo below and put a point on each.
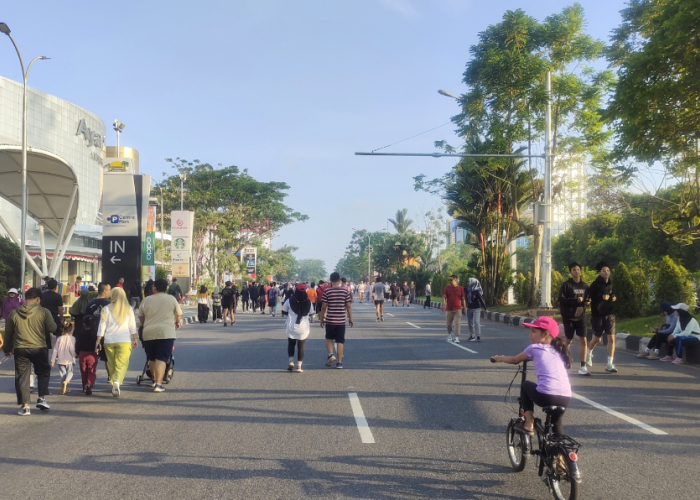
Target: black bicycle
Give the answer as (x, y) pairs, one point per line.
(556, 455)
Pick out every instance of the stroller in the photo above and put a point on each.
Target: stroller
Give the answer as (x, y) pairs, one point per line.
(146, 373)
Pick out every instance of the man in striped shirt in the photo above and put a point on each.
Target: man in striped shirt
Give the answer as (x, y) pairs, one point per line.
(336, 307)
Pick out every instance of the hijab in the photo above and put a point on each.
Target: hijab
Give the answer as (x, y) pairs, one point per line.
(684, 318)
(148, 289)
(474, 285)
(81, 304)
(300, 304)
(666, 307)
(216, 289)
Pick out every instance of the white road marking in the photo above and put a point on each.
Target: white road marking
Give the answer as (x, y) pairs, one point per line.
(619, 415)
(414, 326)
(360, 420)
(462, 347)
(389, 314)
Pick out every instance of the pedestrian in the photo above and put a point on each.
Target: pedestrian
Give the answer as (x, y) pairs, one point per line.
(387, 291)
(227, 302)
(118, 329)
(685, 334)
(602, 314)
(272, 298)
(11, 302)
(573, 299)
(77, 286)
(405, 294)
(475, 301)
(378, 293)
(87, 355)
(135, 294)
(455, 306)
(52, 301)
(661, 335)
(160, 316)
(412, 292)
(262, 298)
(298, 309)
(64, 354)
(361, 290)
(216, 305)
(254, 291)
(148, 289)
(236, 297)
(203, 304)
(312, 296)
(319, 296)
(28, 337)
(245, 297)
(44, 287)
(175, 290)
(337, 307)
(77, 313)
(428, 293)
(120, 283)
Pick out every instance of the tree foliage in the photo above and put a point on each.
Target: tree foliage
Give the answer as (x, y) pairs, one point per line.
(311, 270)
(672, 283)
(10, 256)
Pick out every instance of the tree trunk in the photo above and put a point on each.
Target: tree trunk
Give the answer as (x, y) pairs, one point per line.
(538, 232)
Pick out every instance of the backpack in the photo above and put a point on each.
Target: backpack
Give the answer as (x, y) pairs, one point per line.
(91, 322)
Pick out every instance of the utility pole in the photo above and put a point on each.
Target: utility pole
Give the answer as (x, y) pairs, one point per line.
(546, 281)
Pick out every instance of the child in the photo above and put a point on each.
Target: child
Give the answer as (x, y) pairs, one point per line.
(551, 357)
(64, 354)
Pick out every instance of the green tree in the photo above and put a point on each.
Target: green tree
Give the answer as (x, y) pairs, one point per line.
(311, 270)
(672, 283)
(9, 266)
(401, 223)
(631, 301)
(280, 264)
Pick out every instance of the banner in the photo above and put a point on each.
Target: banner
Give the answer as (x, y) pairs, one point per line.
(181, 227)
(148, 256)
(250, 260)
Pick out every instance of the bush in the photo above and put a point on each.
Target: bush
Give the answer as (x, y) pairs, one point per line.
(521, 287)
(672, 283)
(558, 279)
(628, 303)
(439, 283)
(161, 273)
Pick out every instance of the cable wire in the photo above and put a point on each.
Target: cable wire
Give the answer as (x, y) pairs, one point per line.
(404, 140)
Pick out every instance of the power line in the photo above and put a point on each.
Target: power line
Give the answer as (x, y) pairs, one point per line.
(393, 144)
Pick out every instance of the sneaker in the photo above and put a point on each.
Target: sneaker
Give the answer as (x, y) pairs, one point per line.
(520, 427)
(24, 411)
(584, 371)
(42, 404)
(643, 354)
(115, 389)
(653, 356)
(339, 366)
(449, 338)
(88, 390)
(158, 388)
(225, 324)
(290, 367)
(589, 359)
(667, 358)
(377, 320)
(471, 338)
(330, 360)
(611, 368)
(298, 369)
(382, 318)
(456, 340)
(478, 339)
(678, 361)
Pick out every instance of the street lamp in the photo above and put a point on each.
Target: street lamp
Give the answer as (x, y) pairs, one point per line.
(4, 28)
(118, 128)
(183, 178)
(446, 93)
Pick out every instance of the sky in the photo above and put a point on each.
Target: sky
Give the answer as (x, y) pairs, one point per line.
(289, 90)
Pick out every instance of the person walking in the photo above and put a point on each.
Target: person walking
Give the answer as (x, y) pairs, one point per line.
(216, 306)
(85, 344)
(148, 289)
(573, 299)
(236, 298)
(203, 304)
(337, 307)
(405, 294)
(53, 301)
(412, 292)
(361, 290)
(254, 291)
(11, 302)
(64, 354)
(475, 301)
(428, 293)
(77, 313)
(27, 336)
(298, 309)
(161, 317)
(135, 294)
(227, 302)
(175, 290)
(455, 306)
(312, 296)
(272, 298)
(245, 298)
(602, 314)
(262, 298)
(378, 293)
(118, 329)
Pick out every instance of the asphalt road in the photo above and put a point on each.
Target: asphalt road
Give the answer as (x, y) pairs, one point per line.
(235, 424)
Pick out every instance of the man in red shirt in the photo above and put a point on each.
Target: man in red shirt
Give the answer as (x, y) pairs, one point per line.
(455, 306)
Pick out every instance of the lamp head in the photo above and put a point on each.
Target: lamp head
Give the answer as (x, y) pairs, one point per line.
(118, 126)
(446, 93)
(4, 28)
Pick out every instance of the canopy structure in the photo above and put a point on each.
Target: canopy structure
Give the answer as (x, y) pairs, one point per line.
(52, 188)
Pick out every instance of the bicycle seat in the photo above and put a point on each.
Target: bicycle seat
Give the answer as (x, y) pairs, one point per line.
(554, 409)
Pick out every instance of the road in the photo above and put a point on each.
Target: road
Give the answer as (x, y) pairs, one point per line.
(234, 424)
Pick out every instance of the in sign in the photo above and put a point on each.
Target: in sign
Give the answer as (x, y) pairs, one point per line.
(115, 247)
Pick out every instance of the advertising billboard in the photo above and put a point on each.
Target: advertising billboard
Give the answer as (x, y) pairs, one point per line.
(250, 260)
(148, 255)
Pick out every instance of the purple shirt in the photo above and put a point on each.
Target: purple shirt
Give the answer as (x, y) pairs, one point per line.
(9, 305)
(552, 377)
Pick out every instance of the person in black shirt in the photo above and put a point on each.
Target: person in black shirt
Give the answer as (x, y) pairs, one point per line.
(86, 338)
(227, 302)
(573, 299)
(245, 297)
(254, 291)
(54, 303)
(602, 317)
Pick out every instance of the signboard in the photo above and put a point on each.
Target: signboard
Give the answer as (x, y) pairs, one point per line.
(250, 259)
(180, 257)
(181, 243)
(120, 221)
(181, 270)
(148, 253)
(119, 165)
(121, 251)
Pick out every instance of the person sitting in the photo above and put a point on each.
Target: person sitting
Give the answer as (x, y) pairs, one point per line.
(661, 334)
(686, 334)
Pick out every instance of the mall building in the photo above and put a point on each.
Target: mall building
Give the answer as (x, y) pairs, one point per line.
(66, 154)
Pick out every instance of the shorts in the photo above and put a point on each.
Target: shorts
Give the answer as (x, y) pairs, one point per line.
(271, 303)
(319, 306)
(159, 349)
(603, 324)
(386, 296)
(572, 326)
(227, 305)
(335, 332)
(377, 302)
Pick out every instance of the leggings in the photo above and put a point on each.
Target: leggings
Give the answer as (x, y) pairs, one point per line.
(679, 342)
(291, 343)
(244, 304)
(530, 397)
(657, 340)
(216, 313)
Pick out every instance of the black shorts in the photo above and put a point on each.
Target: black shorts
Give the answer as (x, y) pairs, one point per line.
(319, 306)
(335, 332)
(377, 302)
(159, 349)
(227, 305)
(572, 326)
(603, 324)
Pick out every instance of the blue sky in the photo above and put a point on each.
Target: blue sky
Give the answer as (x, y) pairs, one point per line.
(289, 90)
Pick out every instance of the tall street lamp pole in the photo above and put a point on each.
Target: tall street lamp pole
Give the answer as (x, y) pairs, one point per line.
(118, 128)
(4, 28)
(183, 178)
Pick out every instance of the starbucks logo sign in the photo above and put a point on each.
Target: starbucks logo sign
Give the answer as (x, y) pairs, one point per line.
(180, 243)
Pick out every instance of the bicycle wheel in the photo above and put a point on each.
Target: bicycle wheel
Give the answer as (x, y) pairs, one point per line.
(564, 487)
(517, 446)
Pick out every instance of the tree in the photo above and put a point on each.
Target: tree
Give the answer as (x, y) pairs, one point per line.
(672, 283)
(280, 264)
(630, 302)
(655, 107)
(10, 256)
(311, 270)
(401, 223)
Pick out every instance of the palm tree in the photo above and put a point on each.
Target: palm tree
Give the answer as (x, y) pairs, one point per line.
(401, 223)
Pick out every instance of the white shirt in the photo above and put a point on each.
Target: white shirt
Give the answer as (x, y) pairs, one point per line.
(691, 329)
(427, 289)
(361, 287)
(294, 331)
(113, 332)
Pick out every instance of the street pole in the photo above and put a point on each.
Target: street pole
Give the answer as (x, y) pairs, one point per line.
(25, 74)
(369, 258)
(183, 177)
(546, 278)
(162, 246)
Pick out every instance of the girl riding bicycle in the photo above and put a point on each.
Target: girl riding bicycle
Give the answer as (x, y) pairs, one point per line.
(551, 357)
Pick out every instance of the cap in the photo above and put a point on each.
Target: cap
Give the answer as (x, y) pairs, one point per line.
(682, 305)
(302, 287)
(546, 323)
(12, 290)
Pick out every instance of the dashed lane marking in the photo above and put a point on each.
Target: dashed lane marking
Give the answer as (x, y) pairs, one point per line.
(462, 347)
(362, 426)
(621, 416)
(414, 326)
